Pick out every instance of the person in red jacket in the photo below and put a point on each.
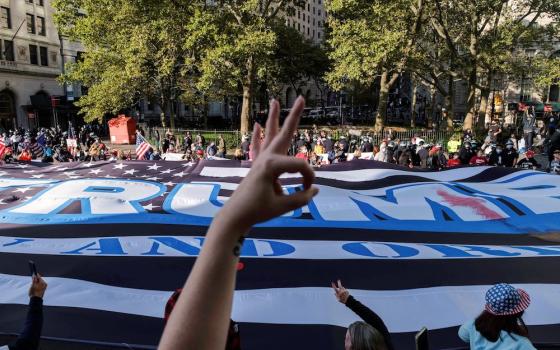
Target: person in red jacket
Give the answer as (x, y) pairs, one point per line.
(455, 161)
(479, 159)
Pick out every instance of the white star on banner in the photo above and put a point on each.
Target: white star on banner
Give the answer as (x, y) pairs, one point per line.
(70, 173)
(119, 166)
(2, 201)
(169, 183)
(150, 206)
(145, 176)
(87, 165)
(131, 171)
(23, 189)
(62, 169)
(2, 173)
(74, 177)
(27, 198)
(22, 166)
(109, 177)
(181, 174)
(154, 167)
(168, 171)
(187, 164)
(29, 171)
(96, 171)
(37, 176)
(153, 178)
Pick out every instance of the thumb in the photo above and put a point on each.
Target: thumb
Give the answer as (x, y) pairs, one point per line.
(296, 200)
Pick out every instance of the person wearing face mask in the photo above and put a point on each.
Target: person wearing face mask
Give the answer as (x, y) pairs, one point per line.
(510, 155)
(381, 156)
(496, 157)
(466, 153)
(529, 122)
(526, 160)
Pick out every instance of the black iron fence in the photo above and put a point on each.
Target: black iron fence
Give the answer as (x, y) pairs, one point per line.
(233, 138)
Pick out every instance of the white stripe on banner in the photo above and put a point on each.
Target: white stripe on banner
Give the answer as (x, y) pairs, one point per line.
(402, 310)
(187, 246)
(362, 174)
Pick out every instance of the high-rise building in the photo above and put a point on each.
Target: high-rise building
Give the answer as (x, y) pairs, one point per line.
(31, 60)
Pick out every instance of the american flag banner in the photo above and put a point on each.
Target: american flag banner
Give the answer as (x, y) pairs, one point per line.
(142, 146)
(114, 240)
(3, 147)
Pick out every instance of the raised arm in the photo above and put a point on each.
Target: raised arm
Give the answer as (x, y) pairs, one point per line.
(201, 317)
(365, 313)
(31, 333)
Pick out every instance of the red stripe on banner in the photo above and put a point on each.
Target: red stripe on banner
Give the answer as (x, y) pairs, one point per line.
(142, 149)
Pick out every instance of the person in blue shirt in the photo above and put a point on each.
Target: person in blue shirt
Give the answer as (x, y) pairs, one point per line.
(500, 325)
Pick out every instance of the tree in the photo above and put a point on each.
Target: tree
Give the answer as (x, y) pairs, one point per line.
(243, 48)
(482, 38)
(134, 49)
(371, 39)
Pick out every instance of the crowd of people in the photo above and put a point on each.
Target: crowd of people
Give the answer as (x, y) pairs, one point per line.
(198, 317)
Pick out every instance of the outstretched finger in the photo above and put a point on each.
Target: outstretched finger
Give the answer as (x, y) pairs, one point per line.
(334, 287)
(282, 143)
(256, 141)
(340, 284)
(272, 123)
(285, 164)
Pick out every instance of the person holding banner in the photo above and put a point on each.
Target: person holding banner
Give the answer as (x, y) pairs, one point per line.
(202, 314)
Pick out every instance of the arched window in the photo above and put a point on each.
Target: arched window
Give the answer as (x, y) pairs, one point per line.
(7, 110)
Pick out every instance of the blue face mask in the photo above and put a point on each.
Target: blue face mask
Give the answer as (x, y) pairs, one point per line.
(499, 150)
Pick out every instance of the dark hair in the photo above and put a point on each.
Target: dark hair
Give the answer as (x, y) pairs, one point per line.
(364, 337)
(490, 325)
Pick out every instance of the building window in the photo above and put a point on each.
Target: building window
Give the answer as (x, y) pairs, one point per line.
(30, 24)
(7, 50)
(304, 16)
(33, 55)
(319, 12)
(298, 26)
(41, 26)
(308, 8)
(318, 35)
(313, 20)
(44, 56)
(313, 9)
(40, 2)
(298, 15)
(307, 30)
(5, 18)
(313, 34)
(29, 1)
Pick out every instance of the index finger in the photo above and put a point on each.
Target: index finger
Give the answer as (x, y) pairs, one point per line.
(285, 164)
(282, 142)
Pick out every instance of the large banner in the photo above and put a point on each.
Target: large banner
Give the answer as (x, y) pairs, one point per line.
(113, 241)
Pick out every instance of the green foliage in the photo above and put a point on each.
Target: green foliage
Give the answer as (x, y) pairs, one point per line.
(366, 35)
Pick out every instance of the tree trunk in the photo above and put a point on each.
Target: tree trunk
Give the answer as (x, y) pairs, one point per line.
(413, 110)
(450, 104)
(382, 103)
(172, 115)
(432, 115)
(481, 122)
(247, 96)
(471, 101)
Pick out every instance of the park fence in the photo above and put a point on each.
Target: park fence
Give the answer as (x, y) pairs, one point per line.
(233, 139)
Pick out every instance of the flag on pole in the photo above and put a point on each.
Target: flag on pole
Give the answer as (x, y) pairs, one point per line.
(3, 148)
(142, 146)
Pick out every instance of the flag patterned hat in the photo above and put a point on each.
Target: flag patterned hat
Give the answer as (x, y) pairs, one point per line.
(503, 299)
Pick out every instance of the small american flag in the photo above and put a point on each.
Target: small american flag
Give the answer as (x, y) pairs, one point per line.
(142, 146)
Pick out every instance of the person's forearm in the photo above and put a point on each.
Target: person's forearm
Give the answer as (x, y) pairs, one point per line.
(204, 306)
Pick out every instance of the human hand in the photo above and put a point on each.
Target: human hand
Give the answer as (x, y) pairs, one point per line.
(260, 196)
(38, 287)
(340, 292)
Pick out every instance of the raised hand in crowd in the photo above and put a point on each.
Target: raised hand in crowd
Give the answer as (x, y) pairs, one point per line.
(31, 334)
(202, 315)
(372, 331)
